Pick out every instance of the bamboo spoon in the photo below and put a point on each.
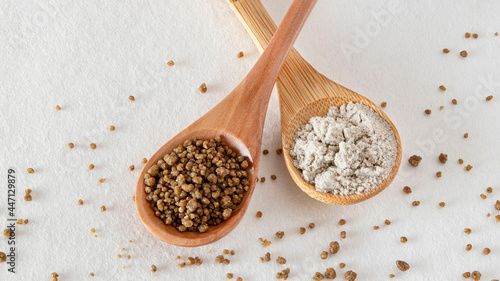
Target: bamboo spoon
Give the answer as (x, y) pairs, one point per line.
(239, 119)
(304, 93)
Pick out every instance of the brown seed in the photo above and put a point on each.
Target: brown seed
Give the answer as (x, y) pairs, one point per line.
(93, 146)
(103, 208)
(484, 196)
(28, 197)
(240, 55)
(92, 274)
(265, 152)
(476, 275)
(466, 135)
(439, 174)
(259, 214)
(415, 160)
(383, 104)
(279, 151)
(302, 230)
(273, 177)
(392, 275)
(267, 257)
(443, 158)
(318, 276)
(232, 253)
(341, 265)
(468, 247)
(80, 202)
(445, 50)
(144, 160)
(324, 255)
(239, 279)
(334, 247)
(460, 161)
(203, 88)
(58, 107)
(111, 128)
(441, 107)
(281, 260)
(464, 53)
(441, 204)
(496, 33)
(497, 217)
(486, 251)
(131, 168)
(467, 230)
(312, 225)
(442, 87)
(343, 234)
(91, 167)
(71, 145)
(488, 98)
(170, 63)
(7, 233)
(467, 35)
(92, 230)
(132, 98)
(376, 227)
(30, 171)
(468, 168)
(403, 266)
(387, 222)
(182, 264)
(330, 273)
(466, 275)
(475, 35)
(428, 111)
(407, 189)
(280, 234)
(225, 252)
(342, 221)
(350, 275)
(454, 101)
(229, 276)
(101, 180)
(190, 261)
(497, 205)
(415, 203)
(489, 190)
(263, 179)
(403, 239)
(153, 268)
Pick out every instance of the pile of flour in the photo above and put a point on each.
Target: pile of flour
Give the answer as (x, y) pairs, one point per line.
(350, 150)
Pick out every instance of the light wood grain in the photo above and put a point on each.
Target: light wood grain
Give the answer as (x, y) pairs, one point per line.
(304, 93)
(239, 119)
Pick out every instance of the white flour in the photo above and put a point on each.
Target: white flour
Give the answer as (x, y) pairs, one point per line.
(350, 150)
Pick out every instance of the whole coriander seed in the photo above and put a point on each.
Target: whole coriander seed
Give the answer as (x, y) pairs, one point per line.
(439, 174)
(93, 146)
(488, 98)
(265, 152)
(428, 111)
(443, 88)
(103, 208)
(58, 107)
(312, 225)
(407, 189)
(281, 260)
(486, 251)
(467, 35)
(376, 227)
(441, 204)
(203, 88)
(330, 273)
(280, 234)
(415, 203)
(475, 35)
(229, 276)
(454, 101)
(259, 214)
(263, 179)
(279, 151)
(476, 275)
(402, 265)
(71, 145)
(341, 265)
(446, 50)
(273, 177)
(387, 222)
(383, 104)
(443, 158)
(350, 275)
(467, 230)
(497, 205)
(131, 168)
(490, 190)
(343, 234)
(30, 171)
(460, 161)
(302, 230)
(91, 167)
(466, 135)
(468, 247)
(464, 53)
(484, 196)
(170, 63)
(334, 247)
(468, 167)
(111, 128)
(403, 239)
(240, 55)
(324, 255)
(415, 160)
(153, 268)
(466, 275)
(318, 276)
(342, 221)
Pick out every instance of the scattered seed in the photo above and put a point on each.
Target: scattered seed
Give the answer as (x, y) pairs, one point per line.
(497, 217)
(341, 265)
(240, 55)
(330, 273)
(383, 104)
(263, 179)
(468, 167)
(342, 221)
(93, 146)
(324, 255)
(302, 230)
(170, 63)
(131, 168)
(387, 222)
(229, 276)
(92, 230)
(101, 180)
(190, 261)
(415, 203)
(428, 111)
(225, 252)
(497, 205)
(376, 227)
(232, 253)
(454, 101)
(312, 225)
(273, 177)
(239, 279)
(334, 247)
(265, 242)
(439, 174)
(30, 171)
(496, 33)
(445, 50)
(488, 98)
(467, 35)
(203, 88)
(111, 128)
(484, 196)
(283, 274)
(280, 234)
(343, 234)
(468, 247)
(132, 98)
(466, 275)
(476, 275)
(350, 275)
(475, 35)
(91, 167)
(267, 257)
(443, 158)
(461, 161)
(71, 145)
(486, 251)
(490, 190)
(27, 197)
(182, 264)
(467, 231)
(464, 53)
(58, 107)
(265, 152)
(443, 88)
(415, 160)
(281, 260)
(403, 266)
(279, 151)
(7, 232)
(318, 276)
(441, 204)
(259, 214)
(153, 268)
(92, 274)
(403, 239)
(407, 190)
(441, 107)
(144, 160)
(103, 208)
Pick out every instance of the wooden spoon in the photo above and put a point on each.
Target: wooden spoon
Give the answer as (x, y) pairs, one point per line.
(305, 93)
(239, 119)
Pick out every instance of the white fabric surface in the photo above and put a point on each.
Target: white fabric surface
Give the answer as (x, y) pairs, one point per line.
(89, 56)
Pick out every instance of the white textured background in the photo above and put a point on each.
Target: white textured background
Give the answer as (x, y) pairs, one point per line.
(89, 56)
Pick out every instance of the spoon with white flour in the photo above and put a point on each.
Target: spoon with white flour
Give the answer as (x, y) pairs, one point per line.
(305, 93)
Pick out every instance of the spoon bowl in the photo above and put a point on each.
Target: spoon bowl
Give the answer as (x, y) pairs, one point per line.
(304, 93)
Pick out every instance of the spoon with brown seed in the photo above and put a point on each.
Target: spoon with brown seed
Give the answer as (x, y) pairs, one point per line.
(305, 93)
(239, 120)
